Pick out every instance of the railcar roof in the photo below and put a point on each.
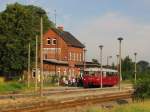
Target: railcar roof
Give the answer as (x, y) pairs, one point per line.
(99, 69)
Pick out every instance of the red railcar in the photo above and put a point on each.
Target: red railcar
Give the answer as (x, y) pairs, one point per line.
(92, 77)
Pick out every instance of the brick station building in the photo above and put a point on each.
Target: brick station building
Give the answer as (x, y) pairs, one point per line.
(62, 53)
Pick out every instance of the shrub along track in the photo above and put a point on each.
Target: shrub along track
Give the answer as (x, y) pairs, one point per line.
(53, 105)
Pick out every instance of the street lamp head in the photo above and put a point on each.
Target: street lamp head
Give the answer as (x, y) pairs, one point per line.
(120, 38)
(101, 46)
(41, 12)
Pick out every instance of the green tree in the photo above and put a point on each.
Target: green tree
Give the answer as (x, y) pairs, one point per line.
(127, 64)
(127, 68)
(19, 25)
(143, 65)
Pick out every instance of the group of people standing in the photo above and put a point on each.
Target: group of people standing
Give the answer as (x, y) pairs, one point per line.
(71, 81)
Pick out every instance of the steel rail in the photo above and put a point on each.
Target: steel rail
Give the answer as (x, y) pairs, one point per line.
(72, 102)
(47, 92)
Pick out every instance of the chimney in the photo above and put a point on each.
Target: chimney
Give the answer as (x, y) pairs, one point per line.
(60, 28)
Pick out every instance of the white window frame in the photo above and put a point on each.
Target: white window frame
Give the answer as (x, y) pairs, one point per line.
(80, 57)
(77, 56)
(48, 39)
(53, 41)
(74, 56)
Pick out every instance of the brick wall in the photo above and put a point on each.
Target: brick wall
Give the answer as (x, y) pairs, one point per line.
(61, 51)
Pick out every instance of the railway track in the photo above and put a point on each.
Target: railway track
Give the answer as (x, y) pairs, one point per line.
(48, 92)
(51, 106)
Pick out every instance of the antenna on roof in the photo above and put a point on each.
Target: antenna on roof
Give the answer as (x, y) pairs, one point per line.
(55, 16)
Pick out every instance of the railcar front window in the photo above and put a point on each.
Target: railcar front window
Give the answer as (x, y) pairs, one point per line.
(104, 74)
(91, 73)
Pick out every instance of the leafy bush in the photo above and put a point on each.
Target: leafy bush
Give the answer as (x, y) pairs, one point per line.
(142, 86)
(11, 86)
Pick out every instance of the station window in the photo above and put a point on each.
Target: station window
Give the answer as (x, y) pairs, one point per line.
(48, 41)
(77, 57)
(54, 42)
(80, 57)
(74, 56)
(45, 56)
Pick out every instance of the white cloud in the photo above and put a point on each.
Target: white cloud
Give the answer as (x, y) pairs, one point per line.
(107, 28)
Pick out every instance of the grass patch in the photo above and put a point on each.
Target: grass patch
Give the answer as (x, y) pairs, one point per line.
(94, 109)
(12, 86)
(15, 86)
(134, 107)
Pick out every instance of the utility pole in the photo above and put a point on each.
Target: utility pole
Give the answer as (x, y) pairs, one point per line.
(101, 59)
(28, 83)
(41, 13)
(117, 67)
(135, 69)
(120, 72)
(41, 76)
(36, 64)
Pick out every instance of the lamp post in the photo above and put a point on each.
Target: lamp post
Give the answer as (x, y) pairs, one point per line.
(101, 59)
(120, 72)
(41, 13)
(108, 57)
(117, 66)
(135, 70)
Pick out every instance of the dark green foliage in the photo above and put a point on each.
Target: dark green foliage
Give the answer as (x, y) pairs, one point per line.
(12, 86)
(143, 66)
(142, 87)
(127, 64)
(19, 25)
(143, 84)
(127, 68)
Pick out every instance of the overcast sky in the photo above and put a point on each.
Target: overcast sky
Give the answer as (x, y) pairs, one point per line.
(96, 22)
